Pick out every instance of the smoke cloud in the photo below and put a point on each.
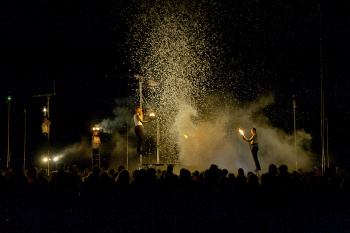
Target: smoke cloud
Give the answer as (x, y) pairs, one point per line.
(217, 141)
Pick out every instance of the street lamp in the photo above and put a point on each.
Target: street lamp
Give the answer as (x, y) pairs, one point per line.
(9, 98)
(44, 111)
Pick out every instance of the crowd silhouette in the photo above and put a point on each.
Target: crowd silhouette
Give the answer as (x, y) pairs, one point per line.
(150, 200)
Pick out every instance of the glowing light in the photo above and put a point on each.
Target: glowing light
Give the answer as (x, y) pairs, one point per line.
(93, 128)
(241, 131)
(45, 159)
(44, 109)
(55, 158)
(152, 114)
(185, 136)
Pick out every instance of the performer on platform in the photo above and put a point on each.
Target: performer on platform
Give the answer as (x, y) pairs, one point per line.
(138, 120)
(254, 147)
(45, 127)
(96, 141)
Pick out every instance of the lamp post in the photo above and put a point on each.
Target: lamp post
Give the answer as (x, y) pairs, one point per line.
(9, 98)
(295, 136)
(25, 138)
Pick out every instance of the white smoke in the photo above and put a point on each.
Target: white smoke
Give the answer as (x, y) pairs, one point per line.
(217, 141)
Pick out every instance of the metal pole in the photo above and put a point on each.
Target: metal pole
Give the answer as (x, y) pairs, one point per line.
(49, 128)
(127, 145)
(8, 136)
(157, 141)
(140, 85)
(295, 137)
(327, 143)
(149, 150)
(25, 138)
(322, 97)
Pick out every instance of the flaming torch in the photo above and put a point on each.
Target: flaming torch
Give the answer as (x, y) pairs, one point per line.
(241, 131)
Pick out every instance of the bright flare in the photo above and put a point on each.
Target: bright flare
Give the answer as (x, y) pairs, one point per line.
(45, 159)
(241, 131)
(185, 136)
(55, 159)
(152, 114)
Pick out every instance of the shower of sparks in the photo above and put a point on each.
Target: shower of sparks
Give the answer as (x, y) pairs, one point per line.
(201, 80)
(173, 49)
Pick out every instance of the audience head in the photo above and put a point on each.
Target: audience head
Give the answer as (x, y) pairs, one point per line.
(273, 169)
(283, 169)
(240, 172)
(120, 168)
(96, 170)
(170, 168)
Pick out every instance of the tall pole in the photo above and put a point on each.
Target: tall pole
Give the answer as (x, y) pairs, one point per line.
(140, 86)
(157, 141)
(327, 143)
(25, 139)
(8, 136)
(295, 137)
(127, 145)
(322, 96)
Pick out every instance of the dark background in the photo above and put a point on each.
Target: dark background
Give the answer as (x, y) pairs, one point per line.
(82, 45)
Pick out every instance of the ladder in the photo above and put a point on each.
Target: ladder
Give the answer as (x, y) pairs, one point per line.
(95, 155)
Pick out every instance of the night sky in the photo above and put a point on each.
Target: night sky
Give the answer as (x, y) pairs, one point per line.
(84, 46)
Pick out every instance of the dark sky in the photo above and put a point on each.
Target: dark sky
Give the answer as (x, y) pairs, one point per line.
(82, 46)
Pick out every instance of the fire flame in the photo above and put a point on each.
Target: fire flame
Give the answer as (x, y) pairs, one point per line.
(185, 136)
(241, 131)
(152, 114)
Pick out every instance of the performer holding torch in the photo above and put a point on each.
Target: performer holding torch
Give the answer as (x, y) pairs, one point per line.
(253, 146)
(138, 120)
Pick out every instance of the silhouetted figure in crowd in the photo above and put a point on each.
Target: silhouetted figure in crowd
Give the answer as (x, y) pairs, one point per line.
(240, 182)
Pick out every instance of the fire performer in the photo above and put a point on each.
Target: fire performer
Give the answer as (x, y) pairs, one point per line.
(138, 120)
(254, 147)
(45, 127)
(96, 141)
